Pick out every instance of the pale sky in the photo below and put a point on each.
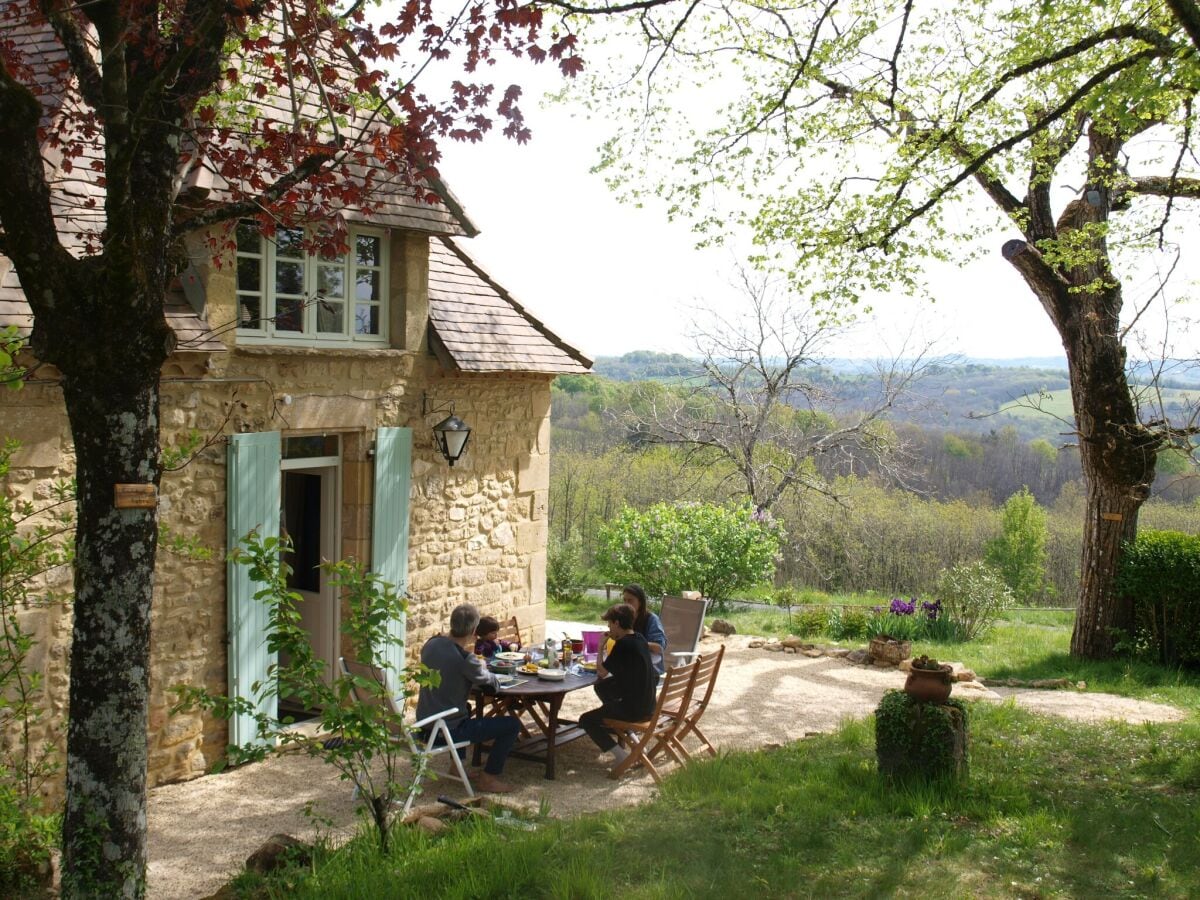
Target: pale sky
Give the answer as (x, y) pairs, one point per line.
(611, 278)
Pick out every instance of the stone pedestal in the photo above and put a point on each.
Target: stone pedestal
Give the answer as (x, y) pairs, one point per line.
(926, 741)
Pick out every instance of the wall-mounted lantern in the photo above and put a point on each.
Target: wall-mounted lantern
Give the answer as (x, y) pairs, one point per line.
(451, 434)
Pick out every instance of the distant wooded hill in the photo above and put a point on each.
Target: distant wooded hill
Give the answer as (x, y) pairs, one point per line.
(960, 395)
(894, 527)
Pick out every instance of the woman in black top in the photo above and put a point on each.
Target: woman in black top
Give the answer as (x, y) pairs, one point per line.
(627, 681)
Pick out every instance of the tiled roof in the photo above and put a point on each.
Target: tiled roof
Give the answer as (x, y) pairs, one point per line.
(394, 204)
(476, 324)
(482, 328)
(78, 200)
(13, 308)
(192, 332)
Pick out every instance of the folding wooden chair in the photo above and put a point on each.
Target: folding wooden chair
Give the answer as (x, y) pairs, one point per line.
(683, 621)
(689, 714)
(644, 740)
(423, 751)
(510, 631)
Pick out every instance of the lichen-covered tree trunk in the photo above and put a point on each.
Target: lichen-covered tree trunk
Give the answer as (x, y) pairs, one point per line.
(100, 321)
(116, 442)
(1110, 519)
(1117, 456)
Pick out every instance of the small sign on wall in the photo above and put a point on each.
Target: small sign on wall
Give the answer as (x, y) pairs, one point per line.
(135, 496)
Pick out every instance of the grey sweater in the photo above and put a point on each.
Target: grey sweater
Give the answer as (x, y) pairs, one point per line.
(460, 670)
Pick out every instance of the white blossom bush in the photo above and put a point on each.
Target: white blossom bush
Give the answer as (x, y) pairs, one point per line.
(972, 597)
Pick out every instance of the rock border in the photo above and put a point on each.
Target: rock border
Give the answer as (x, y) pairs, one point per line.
(858, 657)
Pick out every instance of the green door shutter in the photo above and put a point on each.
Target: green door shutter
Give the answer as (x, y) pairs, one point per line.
(389, 531)
(252, 501)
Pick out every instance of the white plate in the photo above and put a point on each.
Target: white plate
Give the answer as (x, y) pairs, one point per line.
(516, 657)
(552, 674)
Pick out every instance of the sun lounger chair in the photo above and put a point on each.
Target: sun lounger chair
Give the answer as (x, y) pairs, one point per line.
(683, 621)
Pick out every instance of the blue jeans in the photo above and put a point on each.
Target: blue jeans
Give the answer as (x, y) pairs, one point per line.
(502, 731)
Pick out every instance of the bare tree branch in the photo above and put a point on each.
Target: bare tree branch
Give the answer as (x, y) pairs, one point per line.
(1166, 186)
(757, 410)
(62, 19)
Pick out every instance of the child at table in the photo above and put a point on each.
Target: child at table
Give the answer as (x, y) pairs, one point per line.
(487, 638)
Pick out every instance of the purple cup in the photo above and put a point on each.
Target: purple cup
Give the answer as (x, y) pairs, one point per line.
(591, 642)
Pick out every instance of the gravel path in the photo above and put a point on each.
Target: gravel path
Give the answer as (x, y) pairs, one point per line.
(200, 832)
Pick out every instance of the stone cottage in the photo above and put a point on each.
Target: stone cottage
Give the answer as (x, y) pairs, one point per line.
(314, 383)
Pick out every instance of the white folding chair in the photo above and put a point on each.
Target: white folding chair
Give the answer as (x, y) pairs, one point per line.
(424, 750)
(683, 621)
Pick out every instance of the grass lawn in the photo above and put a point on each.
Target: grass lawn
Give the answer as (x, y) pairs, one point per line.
(1058, 403)
(1026, 644)
(1051, 809)
(589, 608)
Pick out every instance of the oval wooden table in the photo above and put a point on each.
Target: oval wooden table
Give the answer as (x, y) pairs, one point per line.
(540, 700)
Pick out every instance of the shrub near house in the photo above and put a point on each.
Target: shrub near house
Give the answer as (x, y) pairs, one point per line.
(669, 548)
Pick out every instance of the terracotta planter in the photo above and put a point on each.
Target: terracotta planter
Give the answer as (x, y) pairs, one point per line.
(888, 649)
(930, 686)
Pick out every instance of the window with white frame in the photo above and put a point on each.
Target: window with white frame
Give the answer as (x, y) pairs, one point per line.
(288, 295)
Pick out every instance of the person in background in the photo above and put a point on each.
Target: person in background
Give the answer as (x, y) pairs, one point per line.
(627, 682)
(487, 639)
(461, 671)
(647, 624)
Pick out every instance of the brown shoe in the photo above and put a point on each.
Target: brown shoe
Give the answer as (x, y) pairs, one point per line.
(490, 784)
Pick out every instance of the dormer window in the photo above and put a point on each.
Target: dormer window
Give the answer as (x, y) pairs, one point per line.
(286, 295)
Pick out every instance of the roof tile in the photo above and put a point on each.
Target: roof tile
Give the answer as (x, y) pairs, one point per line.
(482, 327)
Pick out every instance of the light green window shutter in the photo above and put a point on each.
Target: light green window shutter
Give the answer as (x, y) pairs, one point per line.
(252, 501)
(389, 531)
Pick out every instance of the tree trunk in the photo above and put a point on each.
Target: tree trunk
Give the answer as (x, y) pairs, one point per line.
(1116, 451)
(1110, 520)
(1083, 298)
(115, 427)
(1117, 454)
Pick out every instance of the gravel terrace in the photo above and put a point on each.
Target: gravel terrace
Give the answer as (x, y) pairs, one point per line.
(201, 831)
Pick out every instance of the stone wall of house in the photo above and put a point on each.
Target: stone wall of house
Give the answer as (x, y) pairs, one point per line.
(478, 530)
(36, 418)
